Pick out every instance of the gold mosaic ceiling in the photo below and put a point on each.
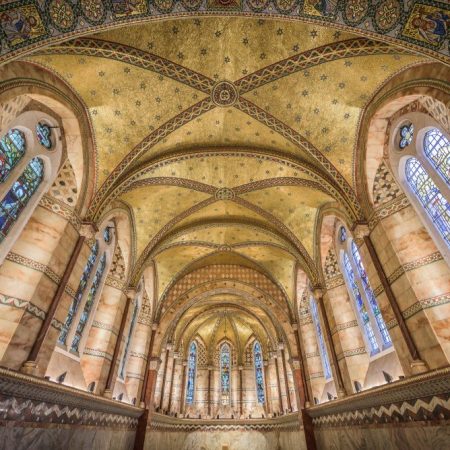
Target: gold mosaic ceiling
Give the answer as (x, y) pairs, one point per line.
(240, 168)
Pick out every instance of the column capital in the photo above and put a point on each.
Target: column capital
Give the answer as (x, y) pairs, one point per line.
(210, 368)
(280, 345)
(318, 293)
(88, 230)
(184, 362)
(240, 367)
(155, 362)
(131, 294)
(360, 230)
(295, 363)
(294, 326)
(169, 346)
(266, 363)
(155, 326)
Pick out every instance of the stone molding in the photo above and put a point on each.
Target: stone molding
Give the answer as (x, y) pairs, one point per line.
(344, 326)
(97, 353)
(31, 399)
(104, 326)
(59, 208)
(399, 203)
(166, 423)
(351, 352)
(334, 282)
(418, 398)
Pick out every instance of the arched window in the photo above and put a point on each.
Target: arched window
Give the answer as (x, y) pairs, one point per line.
(192, 368)
(128, 341)
(437, 148)
(88, 292)
(12, 148)
(225, 367)
(370, 296)
(17, 198)
(360, 306)
(259, 377)
(429, 195)
(30, 154)
(322, 348)
(79, 294)
(89, 303)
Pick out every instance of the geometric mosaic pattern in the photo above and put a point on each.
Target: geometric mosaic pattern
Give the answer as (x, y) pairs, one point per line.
(64, 187)
(385, 188)
(331, 267)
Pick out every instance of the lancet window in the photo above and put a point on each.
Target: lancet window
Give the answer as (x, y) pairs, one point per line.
(225, 368)
(134, 316)
(192, 369)
(259, 367)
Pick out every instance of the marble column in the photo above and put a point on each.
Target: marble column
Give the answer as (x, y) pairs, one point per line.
(210, 369)
(172, 378)
(241, 391)
(149, 393)
(304, 395)
(417, 364)
(340, 389)
(112, 368)
(266, 387)
(298, 382)
(277, 370)
(163, 384)
(183, 388)
(144, 391)
(30, 365)
(286, 383)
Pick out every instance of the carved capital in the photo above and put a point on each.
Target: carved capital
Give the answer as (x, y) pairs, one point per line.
(131, 294)
(318, 294)
(281, 346)
(360, 230)
(154, 326)
(88, 230)
(154, 364)
(294, 326)
(295, 363)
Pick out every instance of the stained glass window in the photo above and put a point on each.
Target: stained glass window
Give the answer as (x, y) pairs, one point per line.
(437, 148)
(342, 234)
(17, 198)
(12, 148)
(370, 296)
(192, 367)
(89, 303)
(79, 294)
(107, 235)
(362, 311)
(437, 207)
(128, 341)
(323, 349)
(259, 364)
(406, 135)
(225, 367)
(43, 133)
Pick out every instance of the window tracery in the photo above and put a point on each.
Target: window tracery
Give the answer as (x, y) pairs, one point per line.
(225, 367)
(437, 148)
(192, 368)
(123, 363)
(12, 148)
(322, 348)
(259, 377)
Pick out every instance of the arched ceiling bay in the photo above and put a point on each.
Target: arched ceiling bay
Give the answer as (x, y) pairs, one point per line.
(225, 135)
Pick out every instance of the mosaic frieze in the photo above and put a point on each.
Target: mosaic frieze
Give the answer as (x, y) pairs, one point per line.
(422, 24)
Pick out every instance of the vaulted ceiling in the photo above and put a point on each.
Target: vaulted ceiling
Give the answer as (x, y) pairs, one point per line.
(225, 136)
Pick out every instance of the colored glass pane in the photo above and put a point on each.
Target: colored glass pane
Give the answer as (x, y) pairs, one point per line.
(225, 367)
(43, 133)
(79, 294)
(370, 296)
(437, 148)
(192, 367)
(107, 235)
(123, 363)
(436, 206)
(259, 364)
(12, 148)
(406, 135)
(342, 234)
(17, 198)
(360, 307)
(322, 348)
(89, 303)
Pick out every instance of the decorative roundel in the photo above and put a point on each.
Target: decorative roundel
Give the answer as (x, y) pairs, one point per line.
(224, 248)
(257, 5)
(224, 94)
(191, 5)
(387, 15)
(342, 234)
(44, 135)
(355, 11)
(164, 6)
(224, 194)
(94, 11)
(406, 134)
(285, 6)
(62, 14)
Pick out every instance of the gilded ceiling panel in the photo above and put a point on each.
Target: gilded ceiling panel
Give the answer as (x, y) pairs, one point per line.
(154, 206)
(125, 103)
(175, 259)
(222, 209)
(323, 103)
(294, 206)
(224, 47)
(219, 127)
(276, 261)
(235, 169)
